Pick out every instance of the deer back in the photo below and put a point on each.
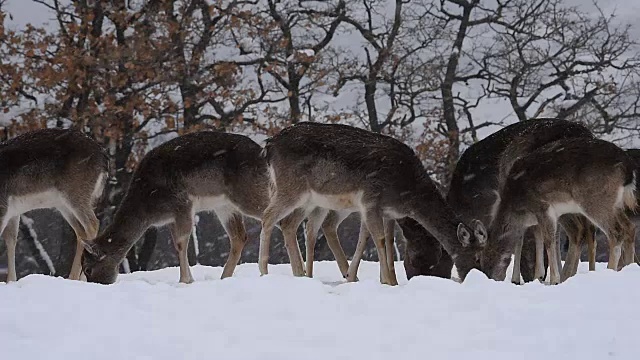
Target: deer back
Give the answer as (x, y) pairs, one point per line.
(476, 178)
(339, 159)
(60, 160)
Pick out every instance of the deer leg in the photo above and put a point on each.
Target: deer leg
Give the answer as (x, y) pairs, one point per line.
(314, 221)
(330, 231)
(591, 246)
(289, 226)
(539, 239)
(570, 267)
(10, 236)
(180, 232)
(357, 256)
(85, 225)
(389, 238)
(375, 224)
(76, 267)
(627, 231)
(547, 228)
(279, 206)
(233, 224)
(515, 276)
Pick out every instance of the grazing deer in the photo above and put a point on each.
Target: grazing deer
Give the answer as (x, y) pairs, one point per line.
(343, 168)
(474, 193)
(51, 168)
(584, 176)
(203, 171)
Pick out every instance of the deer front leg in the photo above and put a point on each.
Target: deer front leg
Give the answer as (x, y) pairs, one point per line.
(330, 232)
(375, 224)
(389, 239)
(10, 236)
(357, 256)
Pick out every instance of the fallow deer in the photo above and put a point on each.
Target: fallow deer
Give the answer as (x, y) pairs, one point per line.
(341, 168)
(475, 184)
(203, 171)
(554, 180)
(51, 168)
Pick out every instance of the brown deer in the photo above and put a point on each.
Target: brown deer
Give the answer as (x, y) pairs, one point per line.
(339, 167)
(554, 180)
(475, 184)
(203, 171)
(51, 168)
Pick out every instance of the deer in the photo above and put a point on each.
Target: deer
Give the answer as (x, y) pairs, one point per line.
(554, 180)
(474, 191)
(51, 168)
(343, 168)
(473, 194)
(201, 171)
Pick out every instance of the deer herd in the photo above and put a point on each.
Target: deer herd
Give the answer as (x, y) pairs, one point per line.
(507, 195)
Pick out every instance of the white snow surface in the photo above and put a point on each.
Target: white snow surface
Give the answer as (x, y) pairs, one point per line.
(148, 315)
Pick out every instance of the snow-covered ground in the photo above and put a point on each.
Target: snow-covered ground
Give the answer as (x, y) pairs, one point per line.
(148, 315)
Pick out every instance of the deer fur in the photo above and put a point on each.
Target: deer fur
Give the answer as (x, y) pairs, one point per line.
(203, 171)
(554, 180)
(476, 182)
(51, 168)
(339, 167)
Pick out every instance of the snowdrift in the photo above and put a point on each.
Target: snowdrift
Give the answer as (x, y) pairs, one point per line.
(148, 315)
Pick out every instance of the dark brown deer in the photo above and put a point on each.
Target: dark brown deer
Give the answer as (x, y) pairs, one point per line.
(204, 171)
(339, 167)
(474, 189)
(554, 180)
(51, 168)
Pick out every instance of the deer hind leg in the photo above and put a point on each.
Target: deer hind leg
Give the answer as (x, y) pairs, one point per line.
(547, 229)
(375, 224)
(330, 231)
(289, 226)
(515, 276)
(314, 222)
(590, 238)
(389, 239)
(233, 224)
(627, 233)
(540, 268)
(357, 256)
(81, 235)
(574, 227)
(180, 231)
(280, 206)
(78, 212)
(10, 236)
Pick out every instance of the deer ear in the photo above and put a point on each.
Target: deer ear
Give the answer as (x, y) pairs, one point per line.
(463, 235)
(91, 249)
(480, 232)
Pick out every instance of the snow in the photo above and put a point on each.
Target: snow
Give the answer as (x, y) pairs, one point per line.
(148, 315)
